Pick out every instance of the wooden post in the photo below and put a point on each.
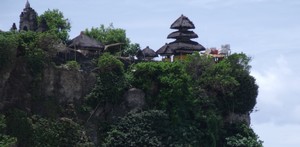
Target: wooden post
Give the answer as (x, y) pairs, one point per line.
(75, 52)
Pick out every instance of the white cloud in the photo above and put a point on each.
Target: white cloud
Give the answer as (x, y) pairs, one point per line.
(278, 121)
(211, 4)
(274, 81)
(275, 135)
(267, 29)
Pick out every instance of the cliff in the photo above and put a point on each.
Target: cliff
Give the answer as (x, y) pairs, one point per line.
(19, 88)
(194, 102)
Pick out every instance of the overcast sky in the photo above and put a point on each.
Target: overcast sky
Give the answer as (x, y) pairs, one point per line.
(266, 30)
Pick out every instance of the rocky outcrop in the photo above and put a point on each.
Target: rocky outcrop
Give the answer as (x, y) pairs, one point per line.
(18, 88)
(67, 85)
(15, 86)
(134, 99)
(238, 118)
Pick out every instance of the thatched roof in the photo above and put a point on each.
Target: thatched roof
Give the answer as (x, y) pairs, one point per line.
(149, 52)
(182, 34)
(85, 42)
(183, 23)
(165, 50)
(60, 47)
(185, 46)
(140, 54)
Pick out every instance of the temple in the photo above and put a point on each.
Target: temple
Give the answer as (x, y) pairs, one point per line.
(28, 19)
(183, 44)
(89, 47)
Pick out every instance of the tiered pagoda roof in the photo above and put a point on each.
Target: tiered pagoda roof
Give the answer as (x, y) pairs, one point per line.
(182, 34)
(183, 43)
(182, 23)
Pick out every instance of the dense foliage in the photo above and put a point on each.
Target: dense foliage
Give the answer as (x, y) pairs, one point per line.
(72, 65)
(5, 140)
(111, 35)
(8, 45)
(38, 131)
(165, 84)
(62, 132)
(111, 82)
(187, 102)
(57, 23)
(190, 99)
(230, 84)
(148, 128)
(154, 128)
(242, 136)
(108, 35)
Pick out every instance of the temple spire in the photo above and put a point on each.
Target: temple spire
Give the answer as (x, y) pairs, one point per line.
(27, 4)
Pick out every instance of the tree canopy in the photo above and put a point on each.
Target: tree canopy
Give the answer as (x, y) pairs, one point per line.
(186, 102)
(111, 35)
(8, 47)
(57, 23)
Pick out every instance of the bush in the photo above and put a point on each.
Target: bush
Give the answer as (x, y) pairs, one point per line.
(152, 128)
(5, 140)
(8, 48)
(111, 82)
(35, 61)
(242, 136)
(110, 64)
(228, 82)
(62, 132)
(166, 86)
(20, 126)
(139, 129)
(72, 65)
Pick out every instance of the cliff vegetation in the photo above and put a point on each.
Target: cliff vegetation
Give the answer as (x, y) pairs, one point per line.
(48, 100)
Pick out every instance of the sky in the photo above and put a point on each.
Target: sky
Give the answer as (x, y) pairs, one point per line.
(266, 30)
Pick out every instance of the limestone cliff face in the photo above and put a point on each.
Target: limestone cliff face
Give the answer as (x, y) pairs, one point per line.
(14, 85)
(67, 85)
(18, 88)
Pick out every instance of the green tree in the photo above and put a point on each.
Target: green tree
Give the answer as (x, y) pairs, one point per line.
(197, 64)
(61, 132)
(57, 23)
(35, 61)
(166, 85)
(8, 49)
(241, 135)
(111, 35)
(5, 140)
(131, 50)
(228, 82)
(152, 128)
(108, 35)
(72, 65)
(38, 131)
(27, 40)
(244, 97)
(48, 42)
(147, 128)
(20, 126)
(111, 82)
